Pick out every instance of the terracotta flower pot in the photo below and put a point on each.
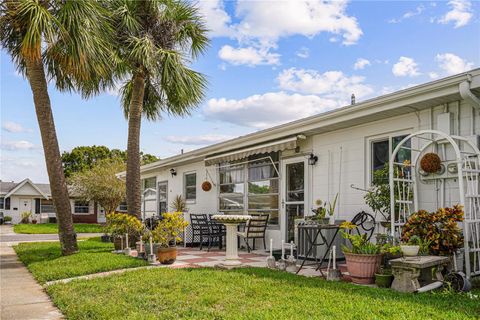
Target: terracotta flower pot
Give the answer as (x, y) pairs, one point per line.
(362, 267)
(167, 255)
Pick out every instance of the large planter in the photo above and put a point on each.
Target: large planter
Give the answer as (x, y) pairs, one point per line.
(167, 255)
(118, 243)
(362, 267)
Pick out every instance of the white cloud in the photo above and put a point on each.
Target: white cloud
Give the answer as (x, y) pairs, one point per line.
(19, 168)
(206, 139)
(248, 56)
(217, 19)
(460, 13)
(269, 109)
(330, 84)
(361, 63)
(303, 53)
(14, 127)
(452, 64)
(17, 145)
(405, 67)
(409, 14)
(433, 75)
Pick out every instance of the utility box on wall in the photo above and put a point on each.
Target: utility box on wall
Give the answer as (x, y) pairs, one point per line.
(444, 122)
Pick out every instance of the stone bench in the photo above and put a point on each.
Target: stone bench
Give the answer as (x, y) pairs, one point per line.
(414, 272)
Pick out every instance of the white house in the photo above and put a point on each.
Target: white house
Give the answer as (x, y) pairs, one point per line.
(26, 196)
(285, 169)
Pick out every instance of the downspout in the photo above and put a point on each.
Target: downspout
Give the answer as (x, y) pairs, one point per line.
(468, 95)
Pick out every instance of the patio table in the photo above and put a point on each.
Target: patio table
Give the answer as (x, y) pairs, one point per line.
(319, 238)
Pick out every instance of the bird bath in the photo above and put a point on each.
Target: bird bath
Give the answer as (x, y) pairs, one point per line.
(231, 223)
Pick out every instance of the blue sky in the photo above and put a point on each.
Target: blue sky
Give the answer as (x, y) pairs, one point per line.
(268, 63)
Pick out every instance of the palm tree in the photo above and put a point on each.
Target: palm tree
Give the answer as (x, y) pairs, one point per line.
(65, 42)
(155, 40)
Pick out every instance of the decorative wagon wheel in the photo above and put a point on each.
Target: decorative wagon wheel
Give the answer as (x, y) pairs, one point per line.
(206, 186)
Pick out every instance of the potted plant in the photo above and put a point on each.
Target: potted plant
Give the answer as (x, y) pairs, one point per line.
(7, 219)
(34, 221)
(25, 217)
(363, 257)
(118, 225)
(384, 277)
(167, 234)
(411, 247)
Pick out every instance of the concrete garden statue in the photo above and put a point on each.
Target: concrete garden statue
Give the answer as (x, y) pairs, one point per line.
(167, 234)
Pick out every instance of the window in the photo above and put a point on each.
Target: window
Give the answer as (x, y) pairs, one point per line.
(46, 206)
(2, 202)
(382, 150)
(190, 183)
(123, 207)
(149, 183)
(250, 187)
(81, 206)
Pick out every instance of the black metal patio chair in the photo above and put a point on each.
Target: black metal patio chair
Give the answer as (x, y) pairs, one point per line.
(365, 223)
(207, 229)
(255, 228)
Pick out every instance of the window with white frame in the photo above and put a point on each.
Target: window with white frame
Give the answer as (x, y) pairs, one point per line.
(149, 183)
(81, 206)
(123, 207)
(382, 149)
(190, 183)
(2, 202)
(250, 185)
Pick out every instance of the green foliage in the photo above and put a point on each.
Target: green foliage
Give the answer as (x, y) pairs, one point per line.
(52, 228)
(101, 184)
(359, 243)
(84, 158)
(167, 233)
(439, 230)
(245, 293)
(119, 224)
(7, 218)
(178, 204)
(45, 262)
(25, 217)
(158, 40)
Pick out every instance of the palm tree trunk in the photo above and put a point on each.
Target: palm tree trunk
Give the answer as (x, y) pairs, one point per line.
(133, 146)
(58, 185)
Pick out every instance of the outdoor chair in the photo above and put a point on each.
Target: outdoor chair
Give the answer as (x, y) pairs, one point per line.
(255, 229)
(365, 223)
(206, 229)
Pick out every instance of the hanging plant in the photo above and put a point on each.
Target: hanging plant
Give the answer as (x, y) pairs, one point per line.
(431, 163)
(206, 186)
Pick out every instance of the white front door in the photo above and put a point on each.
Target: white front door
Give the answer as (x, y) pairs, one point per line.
(294, 193)
(25, 205)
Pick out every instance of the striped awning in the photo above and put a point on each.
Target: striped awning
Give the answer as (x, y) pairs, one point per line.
(278, 145)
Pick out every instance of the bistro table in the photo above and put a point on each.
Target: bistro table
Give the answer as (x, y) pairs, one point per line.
(319, 238)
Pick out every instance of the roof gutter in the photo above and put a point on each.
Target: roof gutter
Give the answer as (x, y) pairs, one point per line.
(467, 94)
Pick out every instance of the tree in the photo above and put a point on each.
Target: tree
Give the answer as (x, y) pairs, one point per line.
(100, 184)
(155, 39)
(65, 42)
(85, 157)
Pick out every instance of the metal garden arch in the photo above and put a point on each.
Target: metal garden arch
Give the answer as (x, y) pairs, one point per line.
(460, 160)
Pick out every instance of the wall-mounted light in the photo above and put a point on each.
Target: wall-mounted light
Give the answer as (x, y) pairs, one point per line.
(173, 172)
(312, 160)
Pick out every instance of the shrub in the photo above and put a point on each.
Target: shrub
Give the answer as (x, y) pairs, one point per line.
(25, 217)
(119, 224)
(439, 229)
(7, 218)
(168, 230)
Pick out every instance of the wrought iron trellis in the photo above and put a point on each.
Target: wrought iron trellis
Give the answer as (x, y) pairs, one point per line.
(463, 170)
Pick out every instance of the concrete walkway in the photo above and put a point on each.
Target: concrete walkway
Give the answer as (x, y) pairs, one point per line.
(21, 297)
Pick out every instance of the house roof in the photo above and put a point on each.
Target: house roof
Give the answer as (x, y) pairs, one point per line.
(8, 188)
(405, 101)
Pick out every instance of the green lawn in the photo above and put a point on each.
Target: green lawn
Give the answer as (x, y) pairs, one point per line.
(249, 293)
(43, 228)
(45, 262)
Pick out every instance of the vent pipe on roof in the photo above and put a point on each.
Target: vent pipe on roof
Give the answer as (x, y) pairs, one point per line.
(467, 94)
(352, 99)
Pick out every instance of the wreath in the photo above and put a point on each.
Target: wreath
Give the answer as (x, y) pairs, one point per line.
(206, 186)
(431, 163)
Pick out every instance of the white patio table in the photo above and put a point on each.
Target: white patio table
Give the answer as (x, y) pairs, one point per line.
(231, 223)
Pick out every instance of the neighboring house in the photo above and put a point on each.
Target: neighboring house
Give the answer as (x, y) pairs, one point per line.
(285, 169)
(26, 196)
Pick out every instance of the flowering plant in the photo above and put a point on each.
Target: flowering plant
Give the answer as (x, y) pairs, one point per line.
(168, 230)
(359, 242)
(119, 224)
